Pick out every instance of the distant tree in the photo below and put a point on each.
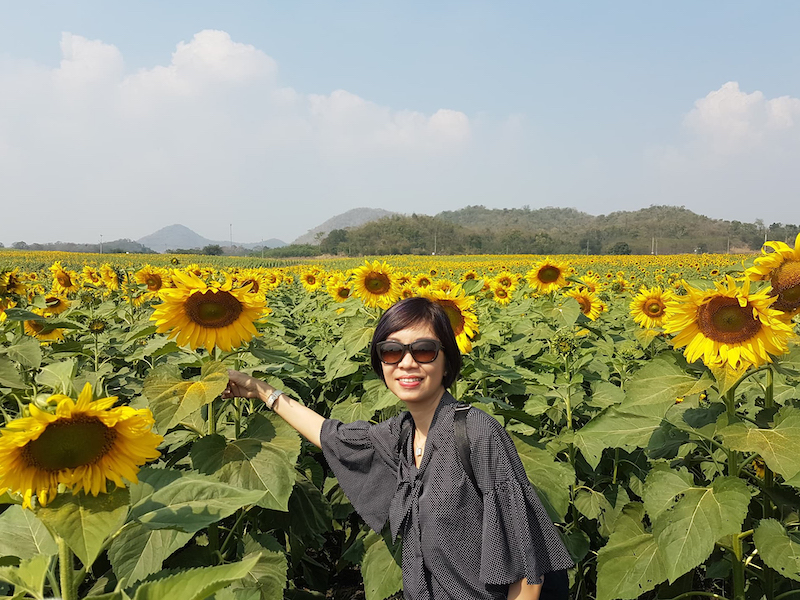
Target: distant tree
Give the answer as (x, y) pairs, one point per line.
(19, 245)
(620, 248)
(2, 245)
(212, 250)
(334, 243)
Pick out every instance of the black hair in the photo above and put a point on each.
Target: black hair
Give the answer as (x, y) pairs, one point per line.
(415, 311)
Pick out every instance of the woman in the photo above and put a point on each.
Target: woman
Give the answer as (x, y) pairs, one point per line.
(459, 542)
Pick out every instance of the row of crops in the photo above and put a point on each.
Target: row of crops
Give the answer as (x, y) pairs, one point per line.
(653, 401)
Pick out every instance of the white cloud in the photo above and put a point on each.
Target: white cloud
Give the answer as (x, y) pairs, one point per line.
(738, 157)
(730, 121)
(210, 136)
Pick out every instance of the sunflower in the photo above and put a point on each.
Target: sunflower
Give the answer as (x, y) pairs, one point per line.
(649, 306)
(728, 327)
(12, 282)
(469, 275)
(109, 277)
(4, 304)
(506, 279)
(422, 280)
(207, 314)
(42, 330)
(407, 291)
(619, 285)
(81, 445)
(338, 288)
(590, 281)
(153, 278)
(458, 307)
(376, 285)
(782, 268)
(55, 304)
(501, 294)
(547, 276)
(590, 304)
(91, 276)
(64, 281)
(311, 279)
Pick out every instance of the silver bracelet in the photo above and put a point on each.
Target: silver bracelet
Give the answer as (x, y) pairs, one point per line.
(270, 401)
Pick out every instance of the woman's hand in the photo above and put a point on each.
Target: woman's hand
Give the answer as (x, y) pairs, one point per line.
(303, 419)
(241, 385)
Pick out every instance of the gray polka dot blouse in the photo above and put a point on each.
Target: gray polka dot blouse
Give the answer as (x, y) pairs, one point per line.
(458, 542)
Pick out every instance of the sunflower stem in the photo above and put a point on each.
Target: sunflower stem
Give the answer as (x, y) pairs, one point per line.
(769, 482)
(212, 419)
(66, 571)
(738, 568)
(733, 455)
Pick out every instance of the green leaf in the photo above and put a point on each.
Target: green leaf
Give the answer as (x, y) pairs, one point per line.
(687, 530)
(381, 571)
(777, 549)
(661, 487)
(777, 446)
(551, 478)
(269, 574)
(84, 521)
(139, 551)
(309, 514)
(9, 376)
(195, 584)
(29, 576)
(27, 352)
(23, 535)
(377, 394)
(606, 394)
(172, 398)
(190, 502)
(355, 340)
(631, 563)
(269, 427)
(249, 464)
(350, 410)
(58, 376)
(614, 428)
(654, 388)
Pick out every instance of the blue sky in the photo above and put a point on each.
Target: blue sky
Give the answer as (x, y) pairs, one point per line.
(118, 118)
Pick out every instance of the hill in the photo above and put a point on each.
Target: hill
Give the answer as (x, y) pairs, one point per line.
(478, 230)
(180, 236)
(347, 220)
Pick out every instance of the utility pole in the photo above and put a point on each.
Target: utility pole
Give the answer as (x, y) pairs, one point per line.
(231, 233)
(101, 243)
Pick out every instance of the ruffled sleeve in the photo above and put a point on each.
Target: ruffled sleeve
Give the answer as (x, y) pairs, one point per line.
(518, 538)
(363, 458)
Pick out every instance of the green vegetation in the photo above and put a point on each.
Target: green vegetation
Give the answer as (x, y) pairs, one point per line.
(479, 230)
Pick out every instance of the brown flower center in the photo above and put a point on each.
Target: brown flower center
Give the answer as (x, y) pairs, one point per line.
(423, 282)
(377, 283)
(586, 304)
(63, 279)
(154, 282)
(213, 308)
(70, 443)
(722, 319)
(549, 274)
(786, 285)
(654, 308)
(343, 292)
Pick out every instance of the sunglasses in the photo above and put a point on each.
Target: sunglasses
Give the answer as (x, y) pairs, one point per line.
(422, 351)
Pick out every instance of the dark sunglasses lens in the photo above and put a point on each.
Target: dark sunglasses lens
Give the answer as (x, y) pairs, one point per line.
(424, 351)
(390, 353)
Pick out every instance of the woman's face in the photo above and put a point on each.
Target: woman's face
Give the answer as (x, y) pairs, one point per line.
(409, 380)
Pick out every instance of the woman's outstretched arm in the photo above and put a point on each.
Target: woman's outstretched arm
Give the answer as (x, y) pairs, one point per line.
(307, 422)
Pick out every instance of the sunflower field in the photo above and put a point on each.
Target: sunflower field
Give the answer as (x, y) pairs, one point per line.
(653, 400)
